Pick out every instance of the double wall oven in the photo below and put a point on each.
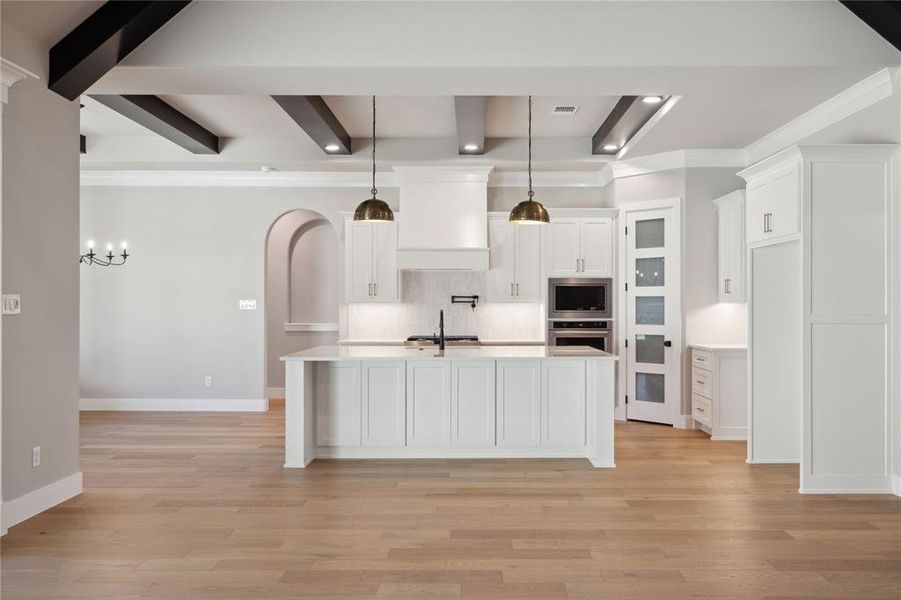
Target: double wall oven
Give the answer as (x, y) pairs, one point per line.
(580, 312)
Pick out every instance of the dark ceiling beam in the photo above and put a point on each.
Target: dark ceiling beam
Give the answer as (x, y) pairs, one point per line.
(628, 116)
(883, 17)
(470, 114)
(161, 118)
(102, 40)
(314, 116)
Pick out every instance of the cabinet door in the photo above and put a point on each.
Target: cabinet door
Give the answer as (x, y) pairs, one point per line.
(731, 252)
(527, 280)
(383, 399)
(501, 261)
(359, 261)
(428, 403)
(596, 237)
(563, 403)
(724, 253)
(786, 208)
(472, 403)
(759, 200)
(518, 403)
(385, 286)
(338, 404)
(564, 248)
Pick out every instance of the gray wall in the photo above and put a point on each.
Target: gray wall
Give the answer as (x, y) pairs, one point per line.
(40, 242)
(301, 286)
(157, 327)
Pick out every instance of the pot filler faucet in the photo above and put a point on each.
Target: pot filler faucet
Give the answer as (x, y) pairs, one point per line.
(441, 339)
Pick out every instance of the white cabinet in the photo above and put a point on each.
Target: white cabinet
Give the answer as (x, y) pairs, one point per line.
(518, 403)
(472, 403)
(580, 247)
(514, 272)
(428, 403)
(338, 404)
(563, 403)
(371, 262)
(774, 203)
(731, 247)
(719, 390)
(384, 403)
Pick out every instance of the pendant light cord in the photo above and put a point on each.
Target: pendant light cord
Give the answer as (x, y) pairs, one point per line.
(373, 190)
(531, 193)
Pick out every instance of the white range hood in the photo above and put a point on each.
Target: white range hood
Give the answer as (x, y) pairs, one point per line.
(443, 221)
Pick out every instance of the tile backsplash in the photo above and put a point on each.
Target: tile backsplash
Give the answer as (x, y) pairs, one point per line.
(424, 293)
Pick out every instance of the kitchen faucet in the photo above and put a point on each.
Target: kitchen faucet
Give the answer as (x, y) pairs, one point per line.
(441, 339)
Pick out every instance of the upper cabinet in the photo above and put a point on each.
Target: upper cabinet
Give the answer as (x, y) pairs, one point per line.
(580, 247)
(774, 203)
(731, 250)
(370, 257)
(514, 271)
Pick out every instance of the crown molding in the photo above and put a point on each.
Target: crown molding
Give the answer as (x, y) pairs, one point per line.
(443, 173)
(678, 159)
(859, 96)
(11, 73)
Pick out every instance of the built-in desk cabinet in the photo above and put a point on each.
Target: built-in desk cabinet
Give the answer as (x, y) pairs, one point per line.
(370, 262)
(514, 272)
(719, 390)
(580, 247)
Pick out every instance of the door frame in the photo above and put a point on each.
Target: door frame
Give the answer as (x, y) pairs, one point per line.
(677, 419)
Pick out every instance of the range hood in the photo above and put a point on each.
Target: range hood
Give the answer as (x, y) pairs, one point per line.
(443, 220)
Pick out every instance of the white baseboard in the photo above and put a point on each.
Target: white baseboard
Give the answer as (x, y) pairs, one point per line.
(683, 422)
(731, 434)
(176, 404)
(896, 485)
(773, 461)
(275, 392)
(376, 453)
(32, 503)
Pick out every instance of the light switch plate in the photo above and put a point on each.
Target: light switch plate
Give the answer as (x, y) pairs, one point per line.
(247, 304)
(12, 304)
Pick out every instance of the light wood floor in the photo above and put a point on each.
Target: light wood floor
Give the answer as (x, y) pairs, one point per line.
(197, 506)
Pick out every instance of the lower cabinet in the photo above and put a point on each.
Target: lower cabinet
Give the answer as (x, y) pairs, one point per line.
(428, 403)
(563, 403)
(338, 404)
(384, 403)
(518, 403)
(473, 403)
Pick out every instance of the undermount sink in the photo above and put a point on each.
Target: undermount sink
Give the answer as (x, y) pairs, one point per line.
(430, 341)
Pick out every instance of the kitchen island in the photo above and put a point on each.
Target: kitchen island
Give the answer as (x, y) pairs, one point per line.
(461, 402)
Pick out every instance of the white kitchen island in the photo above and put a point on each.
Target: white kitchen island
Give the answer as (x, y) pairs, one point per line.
(463, 402)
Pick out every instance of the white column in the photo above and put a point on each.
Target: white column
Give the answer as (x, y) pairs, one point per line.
(602, 397)
(10, 73)
(300, 437)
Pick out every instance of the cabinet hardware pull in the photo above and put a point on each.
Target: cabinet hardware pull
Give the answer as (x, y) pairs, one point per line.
(369, 289)
(728, 286)
(699, 359)
(701, 381)
(375, 288)
(517, 290)
(699, 409)
(577, 265)
(511, 290)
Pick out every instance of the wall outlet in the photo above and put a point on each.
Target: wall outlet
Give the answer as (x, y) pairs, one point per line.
(35, 457)
(12, 304)
(247, 304)
(208, 381)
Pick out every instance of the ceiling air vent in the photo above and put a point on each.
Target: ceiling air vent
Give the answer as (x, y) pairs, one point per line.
(564, 109)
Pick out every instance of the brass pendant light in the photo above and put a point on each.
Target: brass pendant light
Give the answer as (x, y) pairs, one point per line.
(373, 209)
(529, 211)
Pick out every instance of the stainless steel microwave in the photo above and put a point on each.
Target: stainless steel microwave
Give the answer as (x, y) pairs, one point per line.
(580, 298)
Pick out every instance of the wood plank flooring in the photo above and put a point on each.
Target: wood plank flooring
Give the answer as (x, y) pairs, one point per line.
(194, 506)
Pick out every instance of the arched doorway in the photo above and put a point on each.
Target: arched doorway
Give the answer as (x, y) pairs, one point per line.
(301, 301)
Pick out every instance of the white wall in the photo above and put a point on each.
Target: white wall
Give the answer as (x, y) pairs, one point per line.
(40, 233)
(301, 286)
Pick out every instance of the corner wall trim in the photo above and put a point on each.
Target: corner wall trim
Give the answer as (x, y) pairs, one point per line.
(176, 404)
(33, 503)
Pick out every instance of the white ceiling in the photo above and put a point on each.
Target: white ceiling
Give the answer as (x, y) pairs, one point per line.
(742, 69)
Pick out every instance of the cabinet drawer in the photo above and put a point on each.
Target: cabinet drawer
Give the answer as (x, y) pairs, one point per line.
(702, 359)
(700, 382)
(700, 409)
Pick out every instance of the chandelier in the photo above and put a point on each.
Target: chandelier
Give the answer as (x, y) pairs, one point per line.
(108, 260)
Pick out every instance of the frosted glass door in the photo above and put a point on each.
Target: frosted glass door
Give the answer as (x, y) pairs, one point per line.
(653, 317)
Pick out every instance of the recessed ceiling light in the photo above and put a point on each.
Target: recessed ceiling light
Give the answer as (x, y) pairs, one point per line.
(652, 99)
(471, 147)
(332, 147)
(610, 147)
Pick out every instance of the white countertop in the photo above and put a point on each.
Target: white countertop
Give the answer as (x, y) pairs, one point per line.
(719, 346)
(395, 342)
(330, 353)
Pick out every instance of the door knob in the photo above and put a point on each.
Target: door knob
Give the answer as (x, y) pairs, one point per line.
(668, 343)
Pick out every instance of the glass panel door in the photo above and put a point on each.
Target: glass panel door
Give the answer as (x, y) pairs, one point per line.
(652, 316)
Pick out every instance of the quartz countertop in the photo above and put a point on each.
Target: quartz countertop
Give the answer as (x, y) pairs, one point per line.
(392, 342)
(331, 353)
